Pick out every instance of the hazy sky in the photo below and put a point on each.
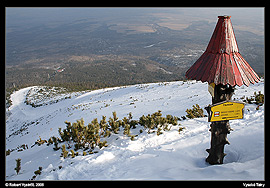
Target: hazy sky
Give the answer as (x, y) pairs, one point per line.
(27, 17)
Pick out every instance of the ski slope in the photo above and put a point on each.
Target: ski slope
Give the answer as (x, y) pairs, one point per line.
(169, 156)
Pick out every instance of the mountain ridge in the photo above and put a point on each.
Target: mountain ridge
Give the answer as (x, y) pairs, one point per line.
(169, 156)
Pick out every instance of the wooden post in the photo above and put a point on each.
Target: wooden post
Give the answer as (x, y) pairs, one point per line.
(223, 67)
(219, 129)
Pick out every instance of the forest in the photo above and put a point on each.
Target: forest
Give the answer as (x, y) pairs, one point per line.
(78, 76)
(96, 50)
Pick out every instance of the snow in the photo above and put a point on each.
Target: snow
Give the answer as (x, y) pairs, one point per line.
(151, 45)
(169, 156)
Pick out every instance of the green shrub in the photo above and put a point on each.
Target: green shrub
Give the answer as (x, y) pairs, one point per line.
(127, 129)
(259, 98)
(85, 137)
(181, 129)
(64, 151)
(157, 121)
(38, 172)
(18, 166)
(55, 141)
(91, 136)
(102, 144)
(72, 153)
(195, 112)
(132, 137)
(39, 142)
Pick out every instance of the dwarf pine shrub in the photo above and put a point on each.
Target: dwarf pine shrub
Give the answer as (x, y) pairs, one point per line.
(195, 112)
(256, 99)
(156, 120)
(72, 153)
(18, 166)
(259, 98)
(181, 129)
(64, 151)
(39, 142)
(55, 141)
(38, 172)
(102, 144)
(90, 136)
(86, 136)
(114, 125)
(8, 152)
(127, 129)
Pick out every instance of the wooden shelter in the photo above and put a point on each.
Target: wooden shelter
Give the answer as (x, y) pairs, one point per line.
(223, 67)
(222, 63)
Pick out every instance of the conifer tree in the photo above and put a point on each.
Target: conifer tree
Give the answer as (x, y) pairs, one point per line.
(130, 116)
(115, 118)
(195, 112)
(181, 129)
(38, 172)
(107, 133)
(259, 98)
(114, 125)
(127, 129)
(61, 134)
(132, 137)
(133, 124)
(72, 153)
(18, 166)
(102, 144)
(103, 125)
(50, 141)
(55, 143)
(64, 151)
(125, 121)
(159, 131)
(142, 120)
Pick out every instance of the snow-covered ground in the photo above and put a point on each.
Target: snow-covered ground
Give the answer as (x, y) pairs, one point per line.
(169, 156)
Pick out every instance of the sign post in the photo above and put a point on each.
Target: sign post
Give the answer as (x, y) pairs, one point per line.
(219, 114)
(226, 110)
(223, 67)
(211, 89)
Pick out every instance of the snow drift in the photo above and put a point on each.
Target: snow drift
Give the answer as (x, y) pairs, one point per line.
(169, 156)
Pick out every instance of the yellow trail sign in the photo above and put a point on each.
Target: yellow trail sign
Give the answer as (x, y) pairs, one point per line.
(226, 110)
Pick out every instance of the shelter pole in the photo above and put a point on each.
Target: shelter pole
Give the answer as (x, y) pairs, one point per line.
(219, 129)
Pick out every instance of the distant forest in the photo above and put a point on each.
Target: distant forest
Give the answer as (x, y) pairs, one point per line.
(78, 76)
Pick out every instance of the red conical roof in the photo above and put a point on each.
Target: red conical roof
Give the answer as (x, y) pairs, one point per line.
(222, 63)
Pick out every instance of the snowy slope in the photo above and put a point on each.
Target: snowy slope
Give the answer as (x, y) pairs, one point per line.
(169, 156)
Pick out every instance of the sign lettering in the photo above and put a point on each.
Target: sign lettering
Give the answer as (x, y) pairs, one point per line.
(226, 110)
